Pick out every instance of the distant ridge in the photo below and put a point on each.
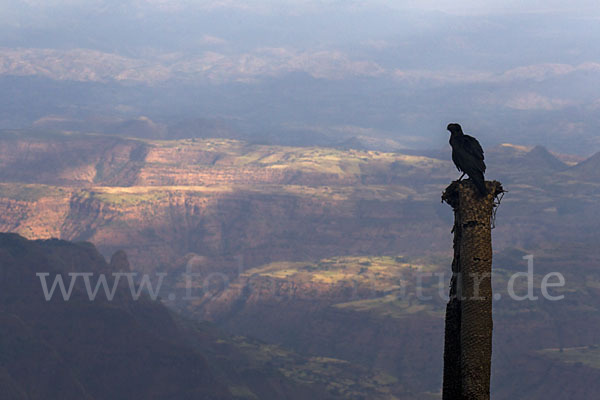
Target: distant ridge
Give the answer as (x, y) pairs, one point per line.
(526, 165)
(370, 143)
(586, 170)
(541, 156)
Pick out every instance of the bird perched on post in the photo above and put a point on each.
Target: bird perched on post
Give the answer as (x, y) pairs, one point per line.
(467, 155)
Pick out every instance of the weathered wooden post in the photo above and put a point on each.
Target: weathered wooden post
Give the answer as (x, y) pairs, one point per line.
(468, 336)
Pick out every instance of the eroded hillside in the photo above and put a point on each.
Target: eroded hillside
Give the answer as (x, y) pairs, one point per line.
(216, 197)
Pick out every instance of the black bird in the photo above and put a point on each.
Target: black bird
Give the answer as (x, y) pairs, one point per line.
(467, 155)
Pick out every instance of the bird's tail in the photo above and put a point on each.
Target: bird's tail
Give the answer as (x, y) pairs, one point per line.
(479, 181)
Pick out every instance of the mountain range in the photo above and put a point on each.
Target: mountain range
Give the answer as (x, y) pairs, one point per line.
(301, 256)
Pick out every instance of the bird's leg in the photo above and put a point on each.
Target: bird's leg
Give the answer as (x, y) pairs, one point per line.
(464, 173)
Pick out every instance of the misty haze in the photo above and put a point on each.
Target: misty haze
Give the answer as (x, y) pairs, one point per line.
(241, 200)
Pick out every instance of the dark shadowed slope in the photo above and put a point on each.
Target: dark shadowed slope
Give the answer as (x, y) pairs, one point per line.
(123, 349)
(79, 349)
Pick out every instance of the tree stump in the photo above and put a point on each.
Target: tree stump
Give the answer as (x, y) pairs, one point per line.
(468, 327)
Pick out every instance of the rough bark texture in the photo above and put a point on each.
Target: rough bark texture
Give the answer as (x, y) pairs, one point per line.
(468, 337)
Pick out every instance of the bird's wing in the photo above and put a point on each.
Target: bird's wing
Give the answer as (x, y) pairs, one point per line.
(470, 155)
(473, 147)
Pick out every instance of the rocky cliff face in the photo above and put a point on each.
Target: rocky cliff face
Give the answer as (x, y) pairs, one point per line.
(162, 200)
(157, 227)
(70, 160)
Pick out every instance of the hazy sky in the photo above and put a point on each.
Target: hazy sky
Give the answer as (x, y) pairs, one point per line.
(487, 7)
(463, 7)
(520, 70)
